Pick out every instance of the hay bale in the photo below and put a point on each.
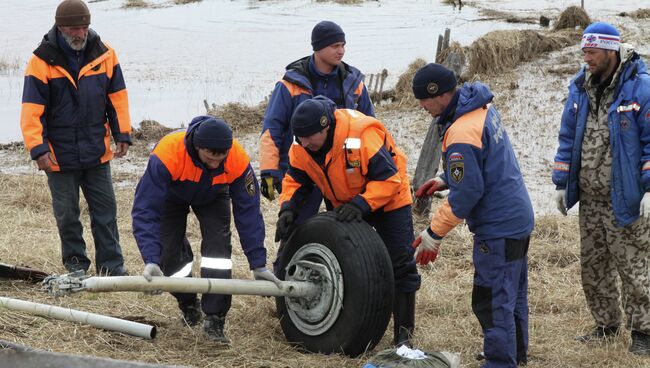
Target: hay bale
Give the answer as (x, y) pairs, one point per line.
(403, 90)
(638, 14)
(150, 130)
(241, 118)
(135, 4)
(572, 17)
(499, 51)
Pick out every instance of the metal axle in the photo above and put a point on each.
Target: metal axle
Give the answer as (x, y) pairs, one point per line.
(72, 283)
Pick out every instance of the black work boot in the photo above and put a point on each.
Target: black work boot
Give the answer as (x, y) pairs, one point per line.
(403, 318)
(191, 312)
(213, 327)
(640, 343)
(117, 271)
(600, 333)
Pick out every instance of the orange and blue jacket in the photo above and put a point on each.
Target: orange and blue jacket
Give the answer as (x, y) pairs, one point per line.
(175, 173)
(363, 166)
(480, 167)
(301, 82)
(73, 116)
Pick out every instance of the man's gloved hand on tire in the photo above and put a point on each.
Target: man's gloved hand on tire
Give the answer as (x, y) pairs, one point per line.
(285, 224)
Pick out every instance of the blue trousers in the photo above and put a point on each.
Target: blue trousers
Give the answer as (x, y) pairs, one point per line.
(395, 228)
(500, 299)
(97, 188)
(216, 248)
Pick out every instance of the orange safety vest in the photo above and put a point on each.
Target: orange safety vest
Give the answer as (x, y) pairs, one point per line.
(357, 138)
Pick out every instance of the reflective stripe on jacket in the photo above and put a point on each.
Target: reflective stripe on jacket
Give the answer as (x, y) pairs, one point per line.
(486, 187)
(294, 88)
(74, 116)
(629, 127)
(174, 173)
(364, 166)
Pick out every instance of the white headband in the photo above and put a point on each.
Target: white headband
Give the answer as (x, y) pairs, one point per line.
(601, 41)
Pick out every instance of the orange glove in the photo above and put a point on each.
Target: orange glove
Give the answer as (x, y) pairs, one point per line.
(426, 248)
(431, 186)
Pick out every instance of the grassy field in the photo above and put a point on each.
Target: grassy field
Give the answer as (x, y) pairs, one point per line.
(443, 313)
(444, 320)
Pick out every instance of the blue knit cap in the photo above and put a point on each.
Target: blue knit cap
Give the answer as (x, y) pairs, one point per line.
(211, 133)
(432, 80)
(601, 35)
(312, 116)
(326, 33)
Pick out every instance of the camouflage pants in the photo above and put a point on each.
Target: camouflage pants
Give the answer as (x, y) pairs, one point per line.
(607, 251)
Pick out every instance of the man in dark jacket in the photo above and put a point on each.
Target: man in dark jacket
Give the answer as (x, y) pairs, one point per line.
(322, 73)
(487, 191)
(206, 169)
(74, 100)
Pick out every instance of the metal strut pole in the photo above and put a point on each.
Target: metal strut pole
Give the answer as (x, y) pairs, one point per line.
(66, 284)
(73, 315)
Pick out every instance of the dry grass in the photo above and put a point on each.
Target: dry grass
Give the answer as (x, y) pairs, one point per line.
(136, 4)
(403, 91)
(572, 17)
(637, 14)
(444, 317)
(493, 14)
(182, 2)
(499, 51)
(241, 118)
(8, 65)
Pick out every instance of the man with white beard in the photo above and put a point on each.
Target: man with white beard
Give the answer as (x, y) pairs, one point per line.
(74, 99)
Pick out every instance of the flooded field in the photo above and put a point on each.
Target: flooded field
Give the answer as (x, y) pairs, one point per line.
(174, 57)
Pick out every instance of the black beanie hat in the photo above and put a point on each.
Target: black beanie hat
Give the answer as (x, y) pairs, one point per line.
(432, 80)
(72, 13)
(326, 33)
(211, 133)
(312, 116)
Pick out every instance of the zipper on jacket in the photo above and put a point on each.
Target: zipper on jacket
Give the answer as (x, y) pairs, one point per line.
(329, 182)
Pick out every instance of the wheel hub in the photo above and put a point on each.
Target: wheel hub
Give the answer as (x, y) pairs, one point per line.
(317, 264)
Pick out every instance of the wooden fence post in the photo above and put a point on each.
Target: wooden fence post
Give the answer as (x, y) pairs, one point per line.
(427, 166)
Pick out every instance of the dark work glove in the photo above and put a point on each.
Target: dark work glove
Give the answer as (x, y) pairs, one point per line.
(268, 185)
(349, 212)
(285, 224)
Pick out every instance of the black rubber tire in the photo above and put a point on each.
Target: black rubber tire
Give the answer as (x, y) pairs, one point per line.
(367, 279)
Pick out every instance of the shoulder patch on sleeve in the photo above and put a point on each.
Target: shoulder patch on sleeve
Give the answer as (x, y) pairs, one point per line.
(457, 171)
(250, 183)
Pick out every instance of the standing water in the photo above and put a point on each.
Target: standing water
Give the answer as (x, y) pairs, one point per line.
(174, 57)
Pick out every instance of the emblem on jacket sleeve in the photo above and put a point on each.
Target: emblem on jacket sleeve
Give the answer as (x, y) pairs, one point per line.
(457, 171)
(250, 183)
(432, 88)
